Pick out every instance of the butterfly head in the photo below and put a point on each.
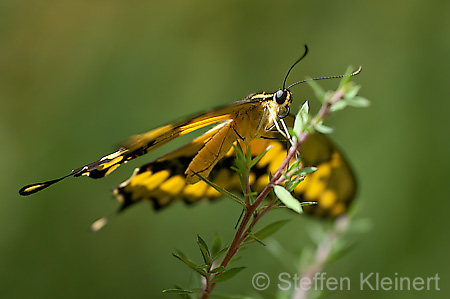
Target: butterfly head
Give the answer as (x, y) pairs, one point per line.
(283, 98)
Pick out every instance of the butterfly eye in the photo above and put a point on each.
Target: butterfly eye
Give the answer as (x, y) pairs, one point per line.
(280, 97)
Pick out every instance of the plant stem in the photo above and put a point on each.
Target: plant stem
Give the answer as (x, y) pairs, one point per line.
(250, 209)
(321, 257)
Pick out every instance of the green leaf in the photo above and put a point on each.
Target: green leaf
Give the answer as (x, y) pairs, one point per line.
(304, 111)
(218, 269)
(234, 168)
(321, 128)
(227, 274)
(352, 92)
(204, 250)
(305, 171)
(252, 194)
(190, 264)
(240, 166)
(181, 291)
(236, 258)
(248, 155)
(297, 175)
(251, 237)
(292, 133)
(294, 183)
(220, 253)
(257, 158)
(301, 119)
(338, 106)
(358, 102)
(181, 253)
(294, 165)
(270, 229)
(287, 198)
(308, 203)
(239, 151)
(223, 191)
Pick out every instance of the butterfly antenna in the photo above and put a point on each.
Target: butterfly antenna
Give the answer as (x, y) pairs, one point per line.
(329, 77)
(298, 60)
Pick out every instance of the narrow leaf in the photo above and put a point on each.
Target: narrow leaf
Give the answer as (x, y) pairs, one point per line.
(323, 129)
(248, 155)
(352, 92)
(257, 158)
(295, 183)
(288, 200)
(308, 203)
(220, 253)
(227, 274)
(358, 102)
(251, 238)
(304, 111)
(223, 191)
(301, 119)
(204, 250)
(305, 171)
(239, 151)
(292, 133)
(218, 269)
(339, 106)
(181, 253)
(294, 165)
(270, 229)
(190, 264)
(240, 166)
(181, 291)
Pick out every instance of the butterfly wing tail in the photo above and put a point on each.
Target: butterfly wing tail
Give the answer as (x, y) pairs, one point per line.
(137, 146)
(33, 188)
(97, 169)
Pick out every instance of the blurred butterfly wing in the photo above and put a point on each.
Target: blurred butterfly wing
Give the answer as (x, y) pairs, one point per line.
(163, 181)
(333, 185)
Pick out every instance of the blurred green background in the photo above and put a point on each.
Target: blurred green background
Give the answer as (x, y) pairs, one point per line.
(78, 77)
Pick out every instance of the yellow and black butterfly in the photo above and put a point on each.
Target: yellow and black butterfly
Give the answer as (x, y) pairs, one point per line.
(253, 120)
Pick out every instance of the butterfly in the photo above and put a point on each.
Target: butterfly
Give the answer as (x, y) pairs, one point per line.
(254, 120)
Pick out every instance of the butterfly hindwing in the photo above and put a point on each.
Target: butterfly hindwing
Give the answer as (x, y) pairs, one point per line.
(162, 181)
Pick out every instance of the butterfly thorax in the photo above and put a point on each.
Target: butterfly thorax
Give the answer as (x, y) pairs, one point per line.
(256, 115)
